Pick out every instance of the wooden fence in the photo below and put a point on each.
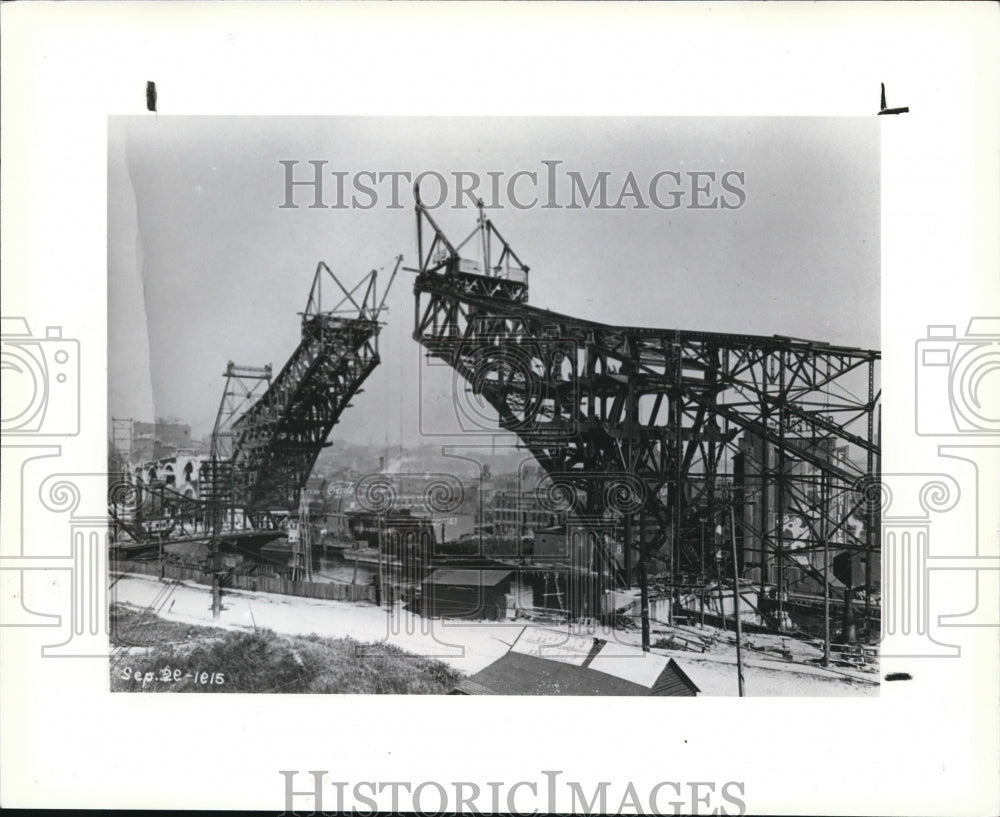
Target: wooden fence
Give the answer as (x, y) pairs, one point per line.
(263, 584)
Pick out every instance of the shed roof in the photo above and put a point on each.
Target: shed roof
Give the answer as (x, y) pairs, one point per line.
(577, 665)
(641, 669)
(518, 674)
(468, 578)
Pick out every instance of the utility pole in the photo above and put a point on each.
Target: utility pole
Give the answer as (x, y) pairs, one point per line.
(736, 602)
(701, 574)
(826, 573)
(216, 595)
(381, 576)
(716, 533)
(644, 583)
(780, 590)
(302, 552)
(216, 589)
(673, 546)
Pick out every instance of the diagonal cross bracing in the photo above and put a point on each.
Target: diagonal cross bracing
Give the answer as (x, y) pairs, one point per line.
(277, 440)
(684, 415)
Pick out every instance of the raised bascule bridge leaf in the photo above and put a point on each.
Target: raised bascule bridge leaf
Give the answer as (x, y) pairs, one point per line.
(672, 432)
(276, 441)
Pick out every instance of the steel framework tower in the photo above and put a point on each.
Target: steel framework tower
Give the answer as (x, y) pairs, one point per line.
(665, 429)
(244, 386)
(276, 441)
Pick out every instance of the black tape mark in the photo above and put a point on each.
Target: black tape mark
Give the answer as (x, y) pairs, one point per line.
(151, 96)
(899, 676)
(884, 109)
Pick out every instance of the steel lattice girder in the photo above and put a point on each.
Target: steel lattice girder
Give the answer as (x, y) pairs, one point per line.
(277, 440)
(134, 507)
(595, 403)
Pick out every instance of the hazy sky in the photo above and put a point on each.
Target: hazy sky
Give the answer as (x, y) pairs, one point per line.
(206, 267)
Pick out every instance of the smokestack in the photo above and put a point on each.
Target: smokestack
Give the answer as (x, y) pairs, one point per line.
(381, 465)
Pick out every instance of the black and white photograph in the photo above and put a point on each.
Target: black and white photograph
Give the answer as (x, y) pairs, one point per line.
(551, 406)
(395, 393)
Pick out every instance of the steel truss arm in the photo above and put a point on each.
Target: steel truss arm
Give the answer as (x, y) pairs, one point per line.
(277, 440)
(681, 411)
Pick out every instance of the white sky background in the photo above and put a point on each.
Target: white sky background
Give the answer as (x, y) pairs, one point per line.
(222, 270)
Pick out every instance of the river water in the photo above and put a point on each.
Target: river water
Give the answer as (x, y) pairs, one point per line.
(334, 569)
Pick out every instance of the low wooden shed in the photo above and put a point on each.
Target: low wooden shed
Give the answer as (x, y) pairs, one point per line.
(468, 593)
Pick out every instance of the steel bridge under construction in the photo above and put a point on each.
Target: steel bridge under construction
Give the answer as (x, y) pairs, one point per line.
(268, 432)
(681, 439)
(669, 431)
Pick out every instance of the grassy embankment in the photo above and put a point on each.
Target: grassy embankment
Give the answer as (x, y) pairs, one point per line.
(155, 655)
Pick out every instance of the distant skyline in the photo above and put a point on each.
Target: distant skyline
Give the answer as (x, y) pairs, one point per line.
(205, 266)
